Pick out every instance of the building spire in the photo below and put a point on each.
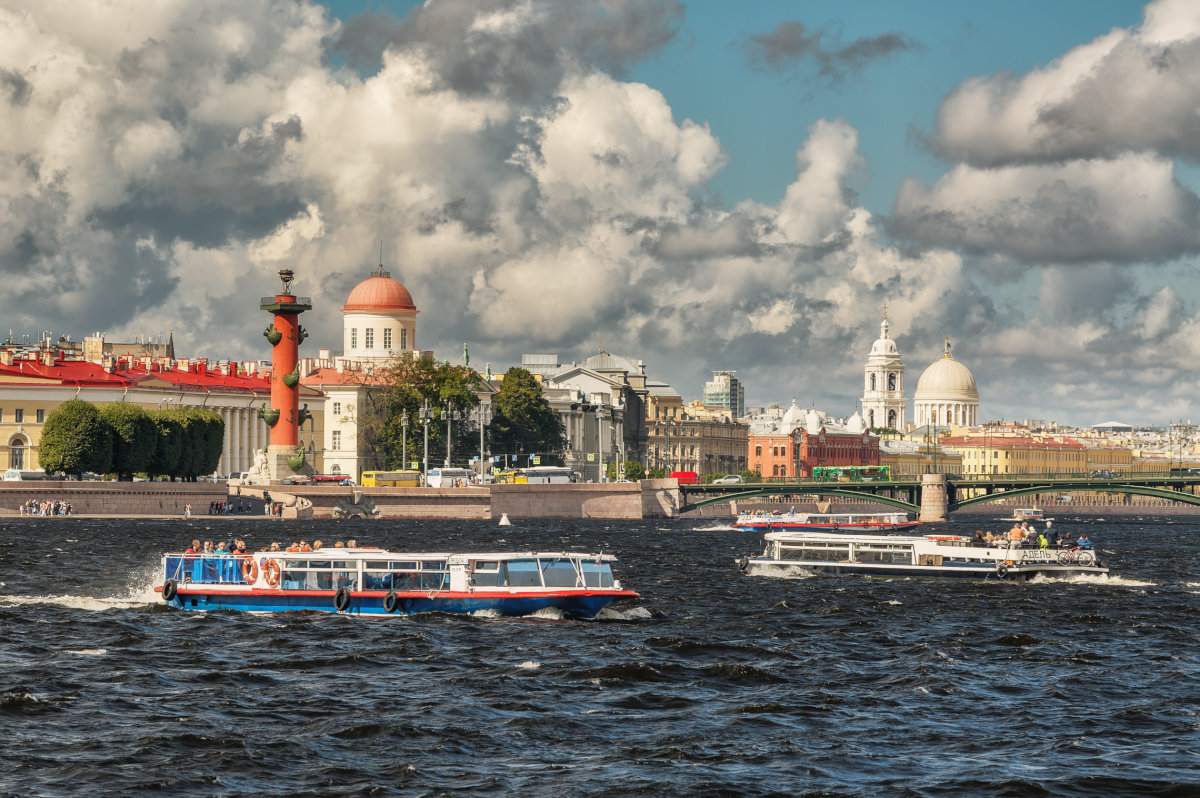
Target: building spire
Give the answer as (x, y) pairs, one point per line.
(947, 346)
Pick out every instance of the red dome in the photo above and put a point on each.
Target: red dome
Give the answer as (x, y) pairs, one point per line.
(379, 292)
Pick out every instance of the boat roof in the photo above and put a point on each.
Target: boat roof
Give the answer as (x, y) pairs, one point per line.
(844, 537)
(385, 554)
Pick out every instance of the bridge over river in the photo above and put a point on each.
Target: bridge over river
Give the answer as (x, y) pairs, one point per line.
(934, 496)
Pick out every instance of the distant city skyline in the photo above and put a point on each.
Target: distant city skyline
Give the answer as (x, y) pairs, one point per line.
(700, 186)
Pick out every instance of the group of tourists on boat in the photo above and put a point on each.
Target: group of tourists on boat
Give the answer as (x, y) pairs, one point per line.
(1023, 535)
(237, 547)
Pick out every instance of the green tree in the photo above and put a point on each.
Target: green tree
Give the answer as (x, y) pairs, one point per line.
(522, 419)
(404, 387)
(133, 438)
(750, 476)
(658, 472)
(169, 447)
(76, 439)
(632, 471)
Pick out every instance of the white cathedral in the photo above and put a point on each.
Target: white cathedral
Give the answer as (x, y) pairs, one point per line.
(946, 393)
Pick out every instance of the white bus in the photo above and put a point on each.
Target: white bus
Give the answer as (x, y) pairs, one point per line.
(449, 477)
(546, 475)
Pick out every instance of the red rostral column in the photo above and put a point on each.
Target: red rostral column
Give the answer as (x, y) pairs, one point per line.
(285, 335)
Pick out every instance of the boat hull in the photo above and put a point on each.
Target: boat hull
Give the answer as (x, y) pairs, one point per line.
(574, 604)
(1019, 573)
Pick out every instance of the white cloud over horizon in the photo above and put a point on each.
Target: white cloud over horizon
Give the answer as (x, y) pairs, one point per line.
(160, 165)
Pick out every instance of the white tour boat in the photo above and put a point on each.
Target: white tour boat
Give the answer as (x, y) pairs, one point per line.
(922, 556)
(832, 522)
(368, 581)
(1026, 514)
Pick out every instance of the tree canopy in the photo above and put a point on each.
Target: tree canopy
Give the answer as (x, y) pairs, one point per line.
(406, 386)
(76, 439)
(133, 437)
(522, 419)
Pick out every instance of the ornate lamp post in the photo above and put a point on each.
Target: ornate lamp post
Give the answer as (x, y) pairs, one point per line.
(481, 411)
(425, 416)
(449, 429)
(404, 440)
(599, 445)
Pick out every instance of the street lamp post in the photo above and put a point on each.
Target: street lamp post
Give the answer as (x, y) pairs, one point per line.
(449, 431)
(600, 444)
(481, 442)
(404, 440)
(425, 416)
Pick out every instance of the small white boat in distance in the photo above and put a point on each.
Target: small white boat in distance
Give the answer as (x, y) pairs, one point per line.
(941, 556)
(1026, 514)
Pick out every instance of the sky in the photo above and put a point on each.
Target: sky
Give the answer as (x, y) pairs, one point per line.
(700, 186)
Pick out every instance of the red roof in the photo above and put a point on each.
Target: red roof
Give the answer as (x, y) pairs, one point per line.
(379, 292)
(318, 377)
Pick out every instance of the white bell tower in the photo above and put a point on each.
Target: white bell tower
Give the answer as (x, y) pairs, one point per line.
(883, 402)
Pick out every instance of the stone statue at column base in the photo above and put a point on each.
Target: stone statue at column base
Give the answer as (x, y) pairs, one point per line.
(260, 472)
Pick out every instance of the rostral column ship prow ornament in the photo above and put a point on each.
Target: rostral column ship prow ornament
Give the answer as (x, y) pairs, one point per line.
(284, 416)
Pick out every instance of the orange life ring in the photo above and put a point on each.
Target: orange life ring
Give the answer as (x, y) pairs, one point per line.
(249, 570)
(271, 572)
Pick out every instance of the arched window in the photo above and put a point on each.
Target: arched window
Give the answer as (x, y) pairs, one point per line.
(891, 381)
(16, 452)
(892, 419)
(758, 450)
(872, 382)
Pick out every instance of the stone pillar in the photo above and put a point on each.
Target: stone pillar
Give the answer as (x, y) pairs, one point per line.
(285, 336)
(934, 501)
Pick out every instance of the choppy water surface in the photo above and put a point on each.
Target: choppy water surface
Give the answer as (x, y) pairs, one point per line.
(716, 683)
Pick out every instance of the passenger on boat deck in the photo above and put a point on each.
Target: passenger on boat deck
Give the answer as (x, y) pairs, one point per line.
(1016, 534)
(980, 540)
(1042, 543)
(304, 546)
(275, 546)
(352, 544)
(1051, 535)
(294, 547)
(316, 545)
(222, 548)
(208, 547)
(1083, 542)
(194, 548)
(239, 547)
(339, 545)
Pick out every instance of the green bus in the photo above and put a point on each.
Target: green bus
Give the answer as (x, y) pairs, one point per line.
(872, 473)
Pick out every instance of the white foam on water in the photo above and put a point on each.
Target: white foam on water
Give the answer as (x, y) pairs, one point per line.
(780, 572)
(530, 665)
(85, 652)
(488, 613)
(726, 527)
(1092, 579)
(549, 613)
(86, 603)
(627, 614)
(894, 602)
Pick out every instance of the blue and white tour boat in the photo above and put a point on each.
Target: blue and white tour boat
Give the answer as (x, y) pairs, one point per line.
(941, 556)
(368, 581)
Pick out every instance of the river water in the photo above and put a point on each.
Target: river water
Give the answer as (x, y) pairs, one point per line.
(715, 683)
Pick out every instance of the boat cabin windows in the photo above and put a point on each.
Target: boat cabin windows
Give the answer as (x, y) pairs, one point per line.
(559, 572)
(318, 574)
(838, 551)
(815, 550)
(523, 573)
(596, 573)
(888, 553)
(487, 573)
(405, 575)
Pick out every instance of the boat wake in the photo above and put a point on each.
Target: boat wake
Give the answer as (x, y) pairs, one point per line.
(1092, 579)
(86, 603)
(624, 614)
(718, 528)
(780, 572)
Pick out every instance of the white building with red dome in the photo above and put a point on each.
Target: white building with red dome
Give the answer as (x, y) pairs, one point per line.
(379, 324)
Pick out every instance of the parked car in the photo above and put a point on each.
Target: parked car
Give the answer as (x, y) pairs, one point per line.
(732, 479)
(238, 478)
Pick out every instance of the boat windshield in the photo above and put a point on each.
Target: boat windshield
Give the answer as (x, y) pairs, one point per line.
(205, 569)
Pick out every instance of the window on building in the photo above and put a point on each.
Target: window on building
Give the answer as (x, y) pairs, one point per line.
(335, 440)
(337, 408)
(387, 338)
(41, 416)
(369, 338)
(403, 338)
(758, 450)
(891, 382)
(354, 338)
(17, 454)
(18, 415)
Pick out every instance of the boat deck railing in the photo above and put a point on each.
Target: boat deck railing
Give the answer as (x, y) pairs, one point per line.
(207, 569)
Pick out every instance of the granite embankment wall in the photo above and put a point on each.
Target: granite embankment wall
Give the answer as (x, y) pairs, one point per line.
(647, 499)
(652, 498)
(114, 498)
